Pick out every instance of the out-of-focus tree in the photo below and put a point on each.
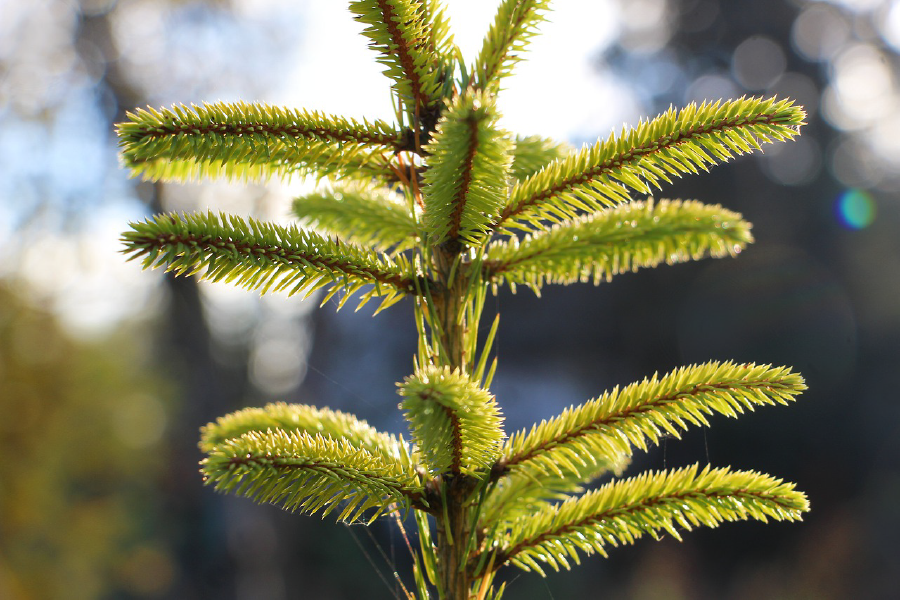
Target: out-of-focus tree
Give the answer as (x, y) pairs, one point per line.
(82, 441)
(60, 93)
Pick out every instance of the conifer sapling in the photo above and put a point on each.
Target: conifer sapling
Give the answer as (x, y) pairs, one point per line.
(442, 206)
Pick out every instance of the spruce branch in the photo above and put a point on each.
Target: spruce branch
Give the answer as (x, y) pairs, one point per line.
(413, 41)
(617, 240)
(309, 419)
(674, 143)
(651, 503)
(521, 493)
(360, 214)
(608, 427)
(253, 141)
(442, 52)
(514, 25)
(308, 473)
(455, 423)
(466, 181)
(439, 39)
(532, 153)
(266, 257)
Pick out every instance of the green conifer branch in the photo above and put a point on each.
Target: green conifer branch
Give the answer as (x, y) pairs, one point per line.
(651, 503)
(253, 141)
(455, 423)
(514, 25)
(413, 42)
(673, 143)
(520, 493)
(437, 26)
(608, 427)
(304, 418)
(360, 214)
(266, 257)
(616, 240)
(533, 152)
(308, 473)
(442, 54)
(469, 161)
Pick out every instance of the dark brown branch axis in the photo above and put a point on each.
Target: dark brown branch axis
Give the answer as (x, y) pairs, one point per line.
(465, 178)
(457, 439)
(493, 268)
(507, 47)
(456, 432)
(633, 154)
(403, 53)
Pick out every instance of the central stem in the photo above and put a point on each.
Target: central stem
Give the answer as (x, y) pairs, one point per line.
(452, 536)
(449, 307)
(452, 531)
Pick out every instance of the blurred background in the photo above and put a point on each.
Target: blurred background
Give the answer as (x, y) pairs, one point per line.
(107, 372)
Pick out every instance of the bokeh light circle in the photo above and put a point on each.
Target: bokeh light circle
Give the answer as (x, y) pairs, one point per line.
(855, 209)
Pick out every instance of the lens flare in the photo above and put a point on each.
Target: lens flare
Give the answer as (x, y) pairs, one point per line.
(856, 209)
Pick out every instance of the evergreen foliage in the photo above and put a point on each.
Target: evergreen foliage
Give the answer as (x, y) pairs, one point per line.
(532, 152)
(455, 423)
(442, 207)
(651, 503)
(672, 144)
(615, 423)
(363, 215)
(466, 184)
(623, 238)
(252, 141)
(514, 25)
(303, 418)
(311, 473)
(265, 256)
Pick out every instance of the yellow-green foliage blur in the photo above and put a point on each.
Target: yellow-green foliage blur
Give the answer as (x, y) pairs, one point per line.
(81, 453)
